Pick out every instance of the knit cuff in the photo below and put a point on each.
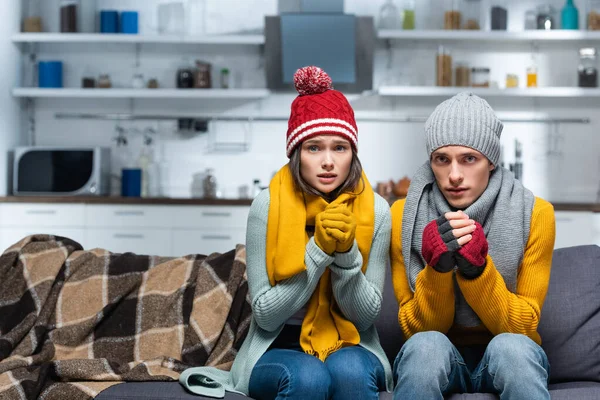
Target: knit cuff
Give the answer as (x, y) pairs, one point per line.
(320, 258)
(349, 259)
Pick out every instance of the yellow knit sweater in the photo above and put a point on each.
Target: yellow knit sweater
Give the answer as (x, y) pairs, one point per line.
(431, 306)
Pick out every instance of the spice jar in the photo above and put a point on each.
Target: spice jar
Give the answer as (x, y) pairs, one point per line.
(68, 15)
(587, 71)
(593, 16)
(202, 75)
(408, 22)
(462, 75)
(137, 81)
(225, 78)
(152, 83)
(104, 81)
(443, 66)
(33, 20)
(452, 15)
(472, 14)
(480, 77)
(512, 81)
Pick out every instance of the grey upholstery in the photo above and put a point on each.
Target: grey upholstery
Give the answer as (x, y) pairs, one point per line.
(570, 330)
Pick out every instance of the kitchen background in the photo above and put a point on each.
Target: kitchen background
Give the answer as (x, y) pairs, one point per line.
(560, 160)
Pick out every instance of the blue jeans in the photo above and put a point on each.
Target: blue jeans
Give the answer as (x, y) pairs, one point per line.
(430, 367)
(349, 373)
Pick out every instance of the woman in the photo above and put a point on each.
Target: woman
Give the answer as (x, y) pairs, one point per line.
(317, 243)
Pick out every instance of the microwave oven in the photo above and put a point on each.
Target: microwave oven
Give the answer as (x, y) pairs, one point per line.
(61, 171)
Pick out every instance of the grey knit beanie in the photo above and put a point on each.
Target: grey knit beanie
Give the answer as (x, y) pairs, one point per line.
(464, 120)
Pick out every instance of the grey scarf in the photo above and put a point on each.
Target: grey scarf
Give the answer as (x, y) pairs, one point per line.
(503, 210)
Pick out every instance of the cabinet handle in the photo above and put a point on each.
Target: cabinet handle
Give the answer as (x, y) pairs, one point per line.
(40, 212)
(216, 237)
(128, 236)
(215, 214)
(563, 219)
(129, 213)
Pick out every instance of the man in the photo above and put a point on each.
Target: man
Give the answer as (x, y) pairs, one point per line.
(471, 252)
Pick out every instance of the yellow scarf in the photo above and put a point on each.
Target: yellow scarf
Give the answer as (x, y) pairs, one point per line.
(324, 329)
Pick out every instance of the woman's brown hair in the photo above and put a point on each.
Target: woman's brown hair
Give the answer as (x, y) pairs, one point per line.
(349, 185)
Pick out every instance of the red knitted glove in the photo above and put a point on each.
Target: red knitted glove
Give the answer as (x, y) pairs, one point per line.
(439, 244)
(470, 258)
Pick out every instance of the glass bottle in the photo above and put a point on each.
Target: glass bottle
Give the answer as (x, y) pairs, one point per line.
(443, 67)
(33, 17)
(104, 81)
(569, 16)
(389, 16)
(256, 188)
(68, 15)
(593, 17)
(408, 22)
(472, 14)
(530, 20)
(532, 75)
(587, 70)
(210, 184)
(452, 15)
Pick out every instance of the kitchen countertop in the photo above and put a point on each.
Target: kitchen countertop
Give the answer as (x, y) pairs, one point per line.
(166, 201)
(590, 207)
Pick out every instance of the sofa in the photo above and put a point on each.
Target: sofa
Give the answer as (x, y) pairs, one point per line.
(570, 330)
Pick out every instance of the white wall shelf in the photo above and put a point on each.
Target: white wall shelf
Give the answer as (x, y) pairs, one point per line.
(233, 94)
(491, 36)
(136, 39)
(434, 91)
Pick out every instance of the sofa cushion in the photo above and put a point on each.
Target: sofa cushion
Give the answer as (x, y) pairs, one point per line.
(570, 321)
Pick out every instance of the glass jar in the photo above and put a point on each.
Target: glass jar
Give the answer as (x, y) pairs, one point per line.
(530, 20)
(532, 76)
(225, 78)
(137, 81)
(587, 70)
(104, 81)
(202, 75)
(209, 185)
(462, 75)
(472, 14)
(593, 16)
(480, 77)
(185, 78)
(389, 16)
(68, 15)
(408, 21)
(443, 67)
(546, 17)
(512, 81)
(32, 21)
(452, 15)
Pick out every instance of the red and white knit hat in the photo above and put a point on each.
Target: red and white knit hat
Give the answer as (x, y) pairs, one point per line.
(318, 110)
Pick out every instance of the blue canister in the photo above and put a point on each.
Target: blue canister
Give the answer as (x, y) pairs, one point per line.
(131, 182)
(109, 21)
(129, 22)
(50, 74)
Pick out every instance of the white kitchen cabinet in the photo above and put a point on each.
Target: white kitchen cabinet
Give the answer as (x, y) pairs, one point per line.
(155, 242)
(574, 228)
(11, 235)
(126, 216)
(206, 241)
(41, 215)
(165, 230)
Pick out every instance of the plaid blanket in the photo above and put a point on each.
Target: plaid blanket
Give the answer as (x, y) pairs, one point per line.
(74, 322)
